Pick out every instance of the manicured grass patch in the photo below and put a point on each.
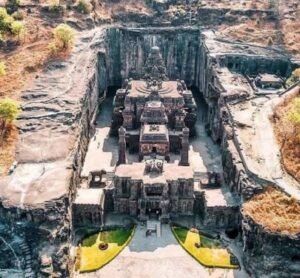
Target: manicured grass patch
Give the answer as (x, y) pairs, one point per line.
(116, 236)
(90, 257)
(181, 233)
(209, 242)
(89, 241)
(210, 253)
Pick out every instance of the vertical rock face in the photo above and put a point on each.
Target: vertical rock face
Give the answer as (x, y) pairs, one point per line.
(268, 254)
(128, 49)
(42, 220)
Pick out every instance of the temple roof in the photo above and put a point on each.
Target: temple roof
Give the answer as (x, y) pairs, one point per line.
(266, 77)
(89, 196)
(168, 89)
(170, 172)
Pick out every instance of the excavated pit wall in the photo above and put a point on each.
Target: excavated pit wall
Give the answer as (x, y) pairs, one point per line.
(269, 254)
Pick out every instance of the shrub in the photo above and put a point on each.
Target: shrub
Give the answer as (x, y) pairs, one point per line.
(295, 77)
(9, 111)
(55, 6)
(2, 69)
(53, 48)
(18, 29)
(12, 5)
(63, 36)
(270, 41)
(5, 20)
(294, 115)
(18, 15)
(84, 6)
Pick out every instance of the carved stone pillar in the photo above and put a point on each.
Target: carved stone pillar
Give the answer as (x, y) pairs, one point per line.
(184, 160)
(122, 146)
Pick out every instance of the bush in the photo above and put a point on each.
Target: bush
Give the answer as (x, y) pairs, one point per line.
(84, 6)
(19, 15)
(63, 36)
(12, 5)
(9, 111)
(270, 41)
(294, 113)
(18, 29)
(5, 20)
(295, 77)
(55, 6)
(53, 48)
(2, 69)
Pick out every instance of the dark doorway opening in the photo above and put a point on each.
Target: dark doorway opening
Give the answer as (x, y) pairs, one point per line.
(154, 213)
(232, 233)
(111, 91)
(154, 149)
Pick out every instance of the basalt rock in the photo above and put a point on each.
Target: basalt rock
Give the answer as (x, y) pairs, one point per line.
(269, 254)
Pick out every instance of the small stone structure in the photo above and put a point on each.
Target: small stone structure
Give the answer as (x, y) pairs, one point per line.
(268, 81)
(88, 207)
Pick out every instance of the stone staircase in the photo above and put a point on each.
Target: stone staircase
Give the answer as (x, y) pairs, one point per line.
(28, 260)
(154, 226)
(19, 243)
(197, 176)
(109, 176)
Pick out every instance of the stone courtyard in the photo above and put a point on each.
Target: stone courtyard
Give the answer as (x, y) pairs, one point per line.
(150, 257)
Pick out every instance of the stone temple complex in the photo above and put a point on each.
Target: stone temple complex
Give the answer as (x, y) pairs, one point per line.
(154, 118)
(163, 115)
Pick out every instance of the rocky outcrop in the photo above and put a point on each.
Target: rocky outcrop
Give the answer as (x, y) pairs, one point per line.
(55, 126)
(268, 254)
(128, 48)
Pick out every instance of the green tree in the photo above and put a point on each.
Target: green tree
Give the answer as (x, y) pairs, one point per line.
(9, 111)
(2, 69)
(63, 36)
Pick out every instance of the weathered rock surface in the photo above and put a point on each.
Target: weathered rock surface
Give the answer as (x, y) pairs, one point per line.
(269, 254)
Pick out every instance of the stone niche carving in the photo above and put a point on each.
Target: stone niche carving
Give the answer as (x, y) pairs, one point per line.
(154, 165)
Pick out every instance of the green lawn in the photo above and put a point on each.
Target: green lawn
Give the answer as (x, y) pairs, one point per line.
(91, 258)
(89, 241)
(211, 253)
(181, 233)
(117, 236)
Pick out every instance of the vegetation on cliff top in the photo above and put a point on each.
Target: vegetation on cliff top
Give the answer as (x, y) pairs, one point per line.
(275, 211)
(287, 129)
